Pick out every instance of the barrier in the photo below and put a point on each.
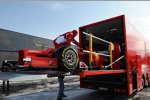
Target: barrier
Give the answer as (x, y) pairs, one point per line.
(91, 51)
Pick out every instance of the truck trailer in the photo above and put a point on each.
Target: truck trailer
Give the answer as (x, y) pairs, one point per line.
(133, 72)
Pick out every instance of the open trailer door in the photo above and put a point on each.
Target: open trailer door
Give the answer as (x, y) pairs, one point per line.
(112, 30)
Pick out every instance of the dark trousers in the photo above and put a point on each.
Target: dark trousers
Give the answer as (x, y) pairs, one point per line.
(61, 86)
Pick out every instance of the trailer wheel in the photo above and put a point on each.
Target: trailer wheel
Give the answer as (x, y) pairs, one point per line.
(67, 58)
(147, 80)
(143, 81)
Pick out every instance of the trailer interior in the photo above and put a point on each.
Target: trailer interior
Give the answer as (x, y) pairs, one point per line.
(112, 30)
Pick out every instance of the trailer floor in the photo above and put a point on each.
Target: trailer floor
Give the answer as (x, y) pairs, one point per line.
(73, 92)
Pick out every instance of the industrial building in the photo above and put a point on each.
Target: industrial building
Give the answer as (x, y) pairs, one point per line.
(11, 42)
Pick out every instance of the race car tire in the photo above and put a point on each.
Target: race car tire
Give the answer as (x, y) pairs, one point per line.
(67, 58)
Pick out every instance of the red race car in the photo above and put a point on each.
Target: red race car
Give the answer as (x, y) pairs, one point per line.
(65, 58)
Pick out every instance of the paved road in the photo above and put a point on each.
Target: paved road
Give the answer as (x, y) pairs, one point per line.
(75, 93)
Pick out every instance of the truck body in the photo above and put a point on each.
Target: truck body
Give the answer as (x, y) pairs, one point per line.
(133, 72)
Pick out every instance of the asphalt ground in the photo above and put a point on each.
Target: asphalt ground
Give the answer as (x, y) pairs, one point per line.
(73, 92)
(39, 87)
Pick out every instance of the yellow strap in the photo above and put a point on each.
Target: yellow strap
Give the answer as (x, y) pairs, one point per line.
(111, 48)
(91, 50)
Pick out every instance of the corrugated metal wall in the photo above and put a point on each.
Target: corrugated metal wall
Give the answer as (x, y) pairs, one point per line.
(14, 41)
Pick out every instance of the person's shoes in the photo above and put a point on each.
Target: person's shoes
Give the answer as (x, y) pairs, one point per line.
(59, 98)
(63, 95)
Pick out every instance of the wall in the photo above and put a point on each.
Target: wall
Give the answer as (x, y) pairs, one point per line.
(11, 42)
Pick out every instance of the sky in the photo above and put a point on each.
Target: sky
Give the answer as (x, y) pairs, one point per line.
(48, 19)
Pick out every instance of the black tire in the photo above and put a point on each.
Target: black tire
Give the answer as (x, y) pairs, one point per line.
(6, 69)
(67, 58)
(143, 81)
(2, 69)
(147, 79)
(30, 68)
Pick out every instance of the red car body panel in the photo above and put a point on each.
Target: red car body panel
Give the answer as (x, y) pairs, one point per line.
(39, 58)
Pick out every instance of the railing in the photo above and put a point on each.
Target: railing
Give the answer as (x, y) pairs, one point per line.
(91, 50)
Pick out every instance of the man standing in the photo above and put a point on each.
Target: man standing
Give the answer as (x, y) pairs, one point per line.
(64, 40)
(61, 87)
